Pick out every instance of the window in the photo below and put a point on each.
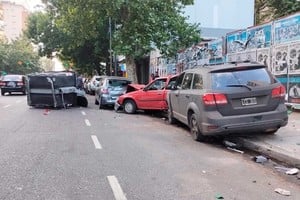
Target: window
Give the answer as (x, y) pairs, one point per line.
(250, 77)
(198, 82)
(158, 84)
(187, 80)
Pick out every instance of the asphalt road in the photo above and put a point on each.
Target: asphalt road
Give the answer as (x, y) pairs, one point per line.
(87, 154)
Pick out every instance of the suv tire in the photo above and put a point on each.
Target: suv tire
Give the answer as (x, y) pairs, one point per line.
(194, 128)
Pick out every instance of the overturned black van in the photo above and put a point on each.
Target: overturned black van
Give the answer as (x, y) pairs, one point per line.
(54, 89)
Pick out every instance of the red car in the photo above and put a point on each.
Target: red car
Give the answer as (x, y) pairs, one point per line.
(150, 97)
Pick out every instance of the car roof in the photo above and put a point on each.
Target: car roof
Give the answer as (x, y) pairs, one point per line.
(226, 66)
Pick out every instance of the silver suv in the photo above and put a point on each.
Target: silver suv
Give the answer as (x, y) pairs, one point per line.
(228, 98)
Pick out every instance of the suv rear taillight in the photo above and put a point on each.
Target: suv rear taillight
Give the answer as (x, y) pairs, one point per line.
(2, 83)
(211, 99)
(104, 91)
(278, 91)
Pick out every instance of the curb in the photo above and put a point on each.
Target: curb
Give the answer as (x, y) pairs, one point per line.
(270, 151)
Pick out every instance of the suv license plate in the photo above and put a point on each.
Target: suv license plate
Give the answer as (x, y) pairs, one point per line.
(249, 101)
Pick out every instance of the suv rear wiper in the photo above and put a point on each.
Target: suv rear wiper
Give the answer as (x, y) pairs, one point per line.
(239, 85)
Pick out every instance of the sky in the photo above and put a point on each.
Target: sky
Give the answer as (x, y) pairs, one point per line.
(229, 14)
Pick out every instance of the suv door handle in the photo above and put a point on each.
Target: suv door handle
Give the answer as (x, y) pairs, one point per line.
(187, 96)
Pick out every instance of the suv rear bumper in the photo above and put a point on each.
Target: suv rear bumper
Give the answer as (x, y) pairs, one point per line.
(217, 125)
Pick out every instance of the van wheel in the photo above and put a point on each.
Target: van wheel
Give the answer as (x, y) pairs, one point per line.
(2, 93)
(129, 107)
(194, 128)
(171, 119)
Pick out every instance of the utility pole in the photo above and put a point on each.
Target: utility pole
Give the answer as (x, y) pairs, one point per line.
(110, 50)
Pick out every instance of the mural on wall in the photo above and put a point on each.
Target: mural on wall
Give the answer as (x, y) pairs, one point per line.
(263, 57)
(286, 59)
(280, 60)
(193, 57)
(294, 58)
(287, 29)
(236, 41)
(216, 51)
(275, 44)
(287, 64)
(259, 37)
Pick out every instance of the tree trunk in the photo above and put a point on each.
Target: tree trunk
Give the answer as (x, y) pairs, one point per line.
(131, 69)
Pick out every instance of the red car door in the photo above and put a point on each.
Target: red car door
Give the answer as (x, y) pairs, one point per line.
(153, 96)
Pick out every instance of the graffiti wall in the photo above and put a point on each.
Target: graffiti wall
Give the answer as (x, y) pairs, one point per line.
(275, 44)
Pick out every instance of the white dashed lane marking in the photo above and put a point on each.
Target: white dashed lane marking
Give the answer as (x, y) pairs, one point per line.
(83, 113)
(116, 188)
(87, 122)
(96, 142)
(6, 106)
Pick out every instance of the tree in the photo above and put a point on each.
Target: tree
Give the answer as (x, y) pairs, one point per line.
(137, 28)
(151, 24)
(284, 7)
(64, 37)
(19, 57)
(267, 10)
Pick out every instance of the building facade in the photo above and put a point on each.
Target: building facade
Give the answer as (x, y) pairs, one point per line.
(13, 19)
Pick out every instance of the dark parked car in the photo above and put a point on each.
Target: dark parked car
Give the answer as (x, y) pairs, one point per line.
(12, 83)
(109, 89)
(228, 98)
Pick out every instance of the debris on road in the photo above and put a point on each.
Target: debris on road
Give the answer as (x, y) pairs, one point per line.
(218, 196)
(292, 171)
(46, 111)
(229, 144)
(283, 192)
(260, 159)
(282, 169)
(286, 170)
(236, 150)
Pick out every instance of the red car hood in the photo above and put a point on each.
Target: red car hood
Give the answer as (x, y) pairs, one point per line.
(134, 87)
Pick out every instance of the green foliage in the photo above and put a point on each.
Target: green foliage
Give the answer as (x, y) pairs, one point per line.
(153, 24)
(284, 7)
(18, 57)
(267, 10)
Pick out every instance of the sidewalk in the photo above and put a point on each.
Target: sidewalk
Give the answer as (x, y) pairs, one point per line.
(283, 146)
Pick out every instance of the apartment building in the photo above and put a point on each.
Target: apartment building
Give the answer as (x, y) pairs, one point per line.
(13, 19)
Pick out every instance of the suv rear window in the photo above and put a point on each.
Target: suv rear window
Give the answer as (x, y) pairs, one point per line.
(250, 77)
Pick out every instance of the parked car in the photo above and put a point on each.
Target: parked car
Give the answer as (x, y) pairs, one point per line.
(12, 83)
(228, 98)
(93, 84)
(110, 88)
(150, 97)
